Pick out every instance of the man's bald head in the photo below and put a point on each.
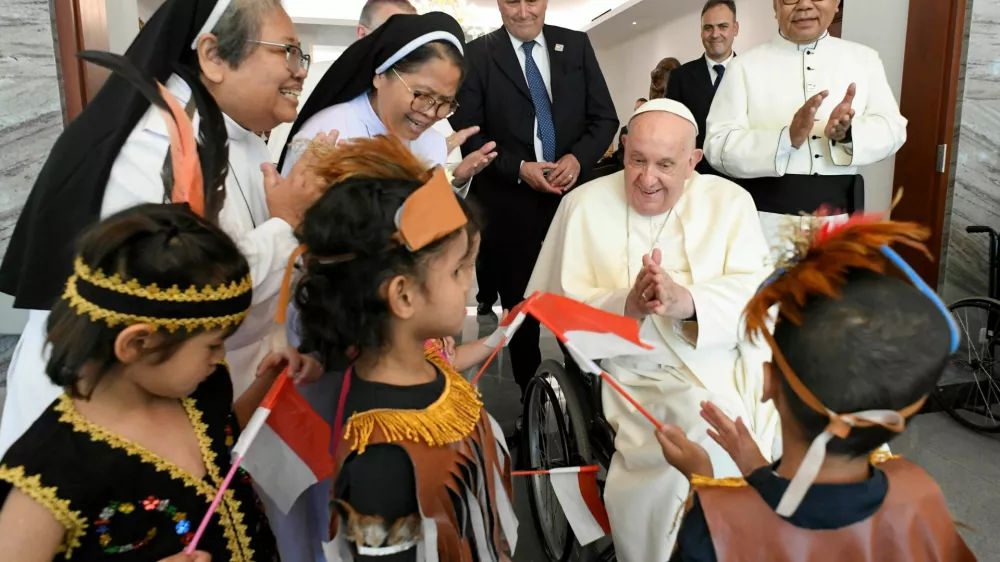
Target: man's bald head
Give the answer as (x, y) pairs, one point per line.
(660, 156)
(376, 12)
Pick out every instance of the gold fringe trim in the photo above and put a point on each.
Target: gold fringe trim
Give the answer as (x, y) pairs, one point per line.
(152, 292)
(880, 456)
(48, 497)
(112, 318)
(451, 418)
(707, 482)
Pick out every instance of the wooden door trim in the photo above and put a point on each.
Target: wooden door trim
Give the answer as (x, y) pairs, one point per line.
(945, 118)
(80, 25)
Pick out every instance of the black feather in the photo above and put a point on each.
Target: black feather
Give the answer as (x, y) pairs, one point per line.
(213, 143)
(124, 69)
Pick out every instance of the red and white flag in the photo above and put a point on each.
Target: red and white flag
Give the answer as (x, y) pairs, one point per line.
(580, 500)
(587, 332)
(291, 445)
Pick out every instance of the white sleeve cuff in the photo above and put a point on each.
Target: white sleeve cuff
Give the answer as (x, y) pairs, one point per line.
(785, 147)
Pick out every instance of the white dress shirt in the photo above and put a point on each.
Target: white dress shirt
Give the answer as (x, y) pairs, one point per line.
(540, 53)
(747, 129)
(711, 66)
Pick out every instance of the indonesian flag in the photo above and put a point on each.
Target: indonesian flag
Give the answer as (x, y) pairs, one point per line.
(291, 445)
(580, 500)
(587, 332)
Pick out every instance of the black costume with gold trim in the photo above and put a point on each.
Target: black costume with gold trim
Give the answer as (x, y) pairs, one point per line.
(418, 461)
(118, 500)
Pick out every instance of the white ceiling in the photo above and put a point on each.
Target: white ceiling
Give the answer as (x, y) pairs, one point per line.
(635, 16)
(574, 14)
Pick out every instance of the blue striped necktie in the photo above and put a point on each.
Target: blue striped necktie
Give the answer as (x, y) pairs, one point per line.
(543, 107)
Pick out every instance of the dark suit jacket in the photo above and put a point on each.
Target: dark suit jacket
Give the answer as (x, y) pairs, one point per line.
(495, 96)
(691, 84)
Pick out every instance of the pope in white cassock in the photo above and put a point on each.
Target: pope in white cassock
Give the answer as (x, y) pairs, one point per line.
(796, 117)
(683, 253)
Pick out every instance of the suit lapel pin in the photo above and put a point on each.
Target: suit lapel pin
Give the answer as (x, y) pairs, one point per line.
(559, 47)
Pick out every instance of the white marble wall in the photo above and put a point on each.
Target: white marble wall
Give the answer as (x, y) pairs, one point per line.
(31, 115)
(976, 189)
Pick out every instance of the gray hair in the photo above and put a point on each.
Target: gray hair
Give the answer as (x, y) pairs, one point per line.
(368, 11)
(240, 24)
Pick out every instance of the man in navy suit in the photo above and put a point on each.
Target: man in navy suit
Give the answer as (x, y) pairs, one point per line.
(694, 83)
(538, 91)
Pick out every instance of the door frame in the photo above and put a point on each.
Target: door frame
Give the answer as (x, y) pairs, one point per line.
(939, 125)
(80, 25)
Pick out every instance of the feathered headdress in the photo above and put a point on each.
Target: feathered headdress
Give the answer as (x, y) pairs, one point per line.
(193, 172)
(817, 266)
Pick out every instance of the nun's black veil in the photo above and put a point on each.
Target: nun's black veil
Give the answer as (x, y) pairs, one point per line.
(351, 75)
(67, 196)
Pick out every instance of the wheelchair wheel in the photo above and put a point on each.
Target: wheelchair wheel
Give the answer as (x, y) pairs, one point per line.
(555, 436)
(969, 388)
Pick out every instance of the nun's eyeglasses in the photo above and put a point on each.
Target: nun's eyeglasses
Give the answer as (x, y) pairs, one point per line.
(425, 102)
(294, 56)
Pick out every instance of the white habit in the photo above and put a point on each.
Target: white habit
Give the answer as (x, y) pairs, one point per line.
(747, 129)
(134, 180)
(713, 245)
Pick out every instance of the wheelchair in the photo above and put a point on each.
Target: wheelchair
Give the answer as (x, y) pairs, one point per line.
(563, 425)
(969, 388)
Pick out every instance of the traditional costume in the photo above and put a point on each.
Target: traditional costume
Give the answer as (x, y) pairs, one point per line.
(897, 514)
(341, 100)
(115, 498)
(748, 128)
(593, 253)
(421, 471)
(108, 159)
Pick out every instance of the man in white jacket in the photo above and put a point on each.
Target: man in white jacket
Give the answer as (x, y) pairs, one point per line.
(796, 117)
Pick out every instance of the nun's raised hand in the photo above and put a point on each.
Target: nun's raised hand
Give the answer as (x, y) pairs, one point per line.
(458, 138)
(288, 198)
(474, 163)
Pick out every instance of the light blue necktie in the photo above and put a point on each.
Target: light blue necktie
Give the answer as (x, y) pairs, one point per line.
(543, 107)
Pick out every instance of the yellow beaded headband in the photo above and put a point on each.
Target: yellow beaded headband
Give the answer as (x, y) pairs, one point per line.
(115, 302)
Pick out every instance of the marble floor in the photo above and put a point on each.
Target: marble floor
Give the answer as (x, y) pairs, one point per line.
(965, 464)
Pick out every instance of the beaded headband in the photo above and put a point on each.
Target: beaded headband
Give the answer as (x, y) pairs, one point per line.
(818, 268)
(115, 302)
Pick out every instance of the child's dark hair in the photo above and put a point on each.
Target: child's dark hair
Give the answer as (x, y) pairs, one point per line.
(152, 243)
(881, 346)
(855, 337)
(339, 300)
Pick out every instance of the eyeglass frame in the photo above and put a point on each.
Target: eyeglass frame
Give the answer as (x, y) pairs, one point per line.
(796, 2)
(452, 105)
(304, 60)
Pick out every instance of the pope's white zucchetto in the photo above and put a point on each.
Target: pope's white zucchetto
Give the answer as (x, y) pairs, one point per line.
(667, 106)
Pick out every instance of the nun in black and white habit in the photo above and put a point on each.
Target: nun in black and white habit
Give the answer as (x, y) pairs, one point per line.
(110, 158)
(399, 80)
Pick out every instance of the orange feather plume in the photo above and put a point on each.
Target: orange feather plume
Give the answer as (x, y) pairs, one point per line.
(381, 157)
(188, 181)
(821, 268)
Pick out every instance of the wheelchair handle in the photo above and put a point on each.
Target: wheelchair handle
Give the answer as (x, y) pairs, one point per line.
(980, 230)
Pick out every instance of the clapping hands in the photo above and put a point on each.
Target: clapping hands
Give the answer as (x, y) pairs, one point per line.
(733, 436)
(655, 292)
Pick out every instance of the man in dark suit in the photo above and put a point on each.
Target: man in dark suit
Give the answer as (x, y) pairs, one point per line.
(538, 91)
(694, 83)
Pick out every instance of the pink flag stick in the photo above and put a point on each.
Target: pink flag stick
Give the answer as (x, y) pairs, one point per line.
(488, 361)
(215, 504)
(249, 433)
